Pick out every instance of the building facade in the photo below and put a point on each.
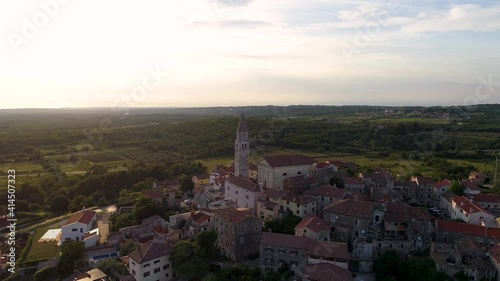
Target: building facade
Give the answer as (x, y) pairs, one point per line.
(273, 170)
(238, 233)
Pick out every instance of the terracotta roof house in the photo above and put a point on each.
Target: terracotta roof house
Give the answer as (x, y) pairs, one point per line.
(326, 272)
(349, 218)
(242, 192)
(93, 275)
(488, 201)
(151, 261)
(471, 188)
(238, 233)
(470, 212)
(314, 228)
(273, 170)
(279, 249)
(79, 227)
(448, 231)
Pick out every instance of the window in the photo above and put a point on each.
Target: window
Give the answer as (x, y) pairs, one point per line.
(166, 266)
(332, 218)
(256, 238)
(133, 272)
(294, 263)
(242, 240)
(293, 252)
(299, 173)
(242, 230)
(269, 249)
(133, 263)
(356, 233)
(247, 197)
(157, 261)
(357, 222)
(313, 209)
(146, 274)
(166, 275)
(269, 260)
(377, 218)
(74, 229)
(157, 270)
(298, 212)
(285, 174)
(81, 230)
(281, 261)
(281, 251)
(146, 265)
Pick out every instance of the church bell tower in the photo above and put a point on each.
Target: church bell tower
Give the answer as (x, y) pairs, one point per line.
(241, 150)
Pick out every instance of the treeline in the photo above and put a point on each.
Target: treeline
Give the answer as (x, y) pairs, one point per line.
(97, 187)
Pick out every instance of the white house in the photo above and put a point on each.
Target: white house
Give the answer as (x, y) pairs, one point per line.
(471, 187)
(79, 227)
(151, 262)
(273, 170)
(469, 212)
(441, 187)
(243, 192)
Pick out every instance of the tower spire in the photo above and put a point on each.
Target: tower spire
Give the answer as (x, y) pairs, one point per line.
(241, 150)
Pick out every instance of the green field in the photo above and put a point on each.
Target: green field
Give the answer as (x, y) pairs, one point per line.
(42, 251)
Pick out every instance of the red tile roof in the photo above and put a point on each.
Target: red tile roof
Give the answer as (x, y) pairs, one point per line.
(200, 218)
(284, 240)
(300, 199)
(232, 215)
(288, 160)
(315, 224)
(322, 165)
(495, 252)
(467, 229)
(150, 251)
(352, 208)
(328, 249)
(442, 183)
(327, 191)
(467, 206)
(470, 185)
(327, 272)
(353, 181)
(84, 217)
(313, 247)
(423, 180)
(244, 183)
(486, 198)
(154, 194)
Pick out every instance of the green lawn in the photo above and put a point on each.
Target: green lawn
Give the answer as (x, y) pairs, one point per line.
(42, 251)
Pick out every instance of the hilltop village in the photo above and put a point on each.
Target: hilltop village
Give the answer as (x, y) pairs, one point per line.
(314, 220)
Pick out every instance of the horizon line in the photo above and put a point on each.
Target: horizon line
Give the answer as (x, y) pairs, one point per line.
(242, 106)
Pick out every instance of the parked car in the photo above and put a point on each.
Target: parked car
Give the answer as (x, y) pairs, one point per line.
(188, 201)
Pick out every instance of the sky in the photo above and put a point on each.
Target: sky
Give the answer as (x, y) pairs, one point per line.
(166, 53)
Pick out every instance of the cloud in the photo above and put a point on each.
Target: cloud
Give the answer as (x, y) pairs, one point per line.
(235, 3)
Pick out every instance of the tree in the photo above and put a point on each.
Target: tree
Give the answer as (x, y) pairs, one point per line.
(59, 203)
(70, 252)
(337, 182)
(284, 225)
(206, 240)
(457, 188)
(112, 267)
(145, 208)
(127, 247)
(189, 261)
(186, 183)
